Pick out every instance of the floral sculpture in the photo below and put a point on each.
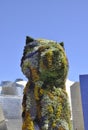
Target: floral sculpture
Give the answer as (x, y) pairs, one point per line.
(45, 101)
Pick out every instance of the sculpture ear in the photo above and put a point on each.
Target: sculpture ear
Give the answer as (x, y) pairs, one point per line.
(62, 44)
(29, 39)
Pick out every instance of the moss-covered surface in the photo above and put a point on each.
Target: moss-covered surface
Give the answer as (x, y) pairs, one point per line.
(45, 64)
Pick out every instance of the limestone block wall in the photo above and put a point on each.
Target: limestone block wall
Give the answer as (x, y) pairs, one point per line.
(77, 113)
(11, 106)
(1, 114)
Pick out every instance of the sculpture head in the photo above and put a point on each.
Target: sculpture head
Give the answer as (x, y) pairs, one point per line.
(45, 61)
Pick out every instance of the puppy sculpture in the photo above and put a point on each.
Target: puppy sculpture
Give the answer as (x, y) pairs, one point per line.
(45, 101)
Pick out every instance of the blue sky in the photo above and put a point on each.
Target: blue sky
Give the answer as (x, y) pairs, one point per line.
(59, 20)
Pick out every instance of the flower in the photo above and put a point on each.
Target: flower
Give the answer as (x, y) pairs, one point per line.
(50, 109)
(28, 123)
(41, 91)
(51, 95)
(49, 55)
(36, 92)
(34, 74)
(53, 124)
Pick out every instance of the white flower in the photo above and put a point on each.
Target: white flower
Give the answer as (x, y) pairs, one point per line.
(46, 126)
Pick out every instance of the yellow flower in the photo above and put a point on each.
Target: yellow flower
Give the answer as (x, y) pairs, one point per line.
(59, 110)
(28, 123)
(49, 55)
(35, 75)
(36, 92)
(41, 91)
(50, 109)
(53, 124)
(51, 95)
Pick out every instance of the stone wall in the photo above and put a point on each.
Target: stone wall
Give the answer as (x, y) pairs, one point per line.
(77, 113)
(1, 114)
(2, 120)
(11, 106)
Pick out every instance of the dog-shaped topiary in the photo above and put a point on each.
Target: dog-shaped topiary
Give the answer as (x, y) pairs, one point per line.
(45, 101)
